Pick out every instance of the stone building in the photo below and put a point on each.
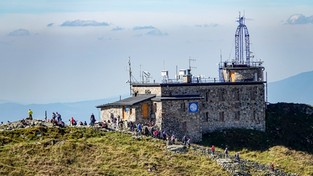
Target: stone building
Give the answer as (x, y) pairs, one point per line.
(194, 106)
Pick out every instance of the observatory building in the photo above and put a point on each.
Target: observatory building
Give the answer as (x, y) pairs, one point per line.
(193, 106)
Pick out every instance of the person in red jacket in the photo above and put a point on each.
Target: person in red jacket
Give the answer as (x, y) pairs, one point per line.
(213, 149)
(73, 122)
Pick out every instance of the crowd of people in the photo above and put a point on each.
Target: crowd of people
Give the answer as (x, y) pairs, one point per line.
(56, 120)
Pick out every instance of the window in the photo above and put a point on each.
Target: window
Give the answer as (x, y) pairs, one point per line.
(221, 95)
(182, 106)
(255, 117)
(207, 116)
(237, 115)
(221, 116)
(207, 96)
(147, 91)
(253, 93)
(236, 94)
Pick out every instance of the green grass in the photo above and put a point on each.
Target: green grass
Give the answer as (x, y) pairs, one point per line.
(81, 151)
(289, 160)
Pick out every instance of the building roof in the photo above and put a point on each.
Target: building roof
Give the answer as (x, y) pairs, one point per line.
(196, 84)
(129, 101)
(177, 98)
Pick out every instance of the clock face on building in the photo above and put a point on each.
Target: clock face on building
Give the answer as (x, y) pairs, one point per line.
(193, 107)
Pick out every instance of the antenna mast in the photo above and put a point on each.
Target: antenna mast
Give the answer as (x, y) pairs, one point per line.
(130, 77)
(242, 42)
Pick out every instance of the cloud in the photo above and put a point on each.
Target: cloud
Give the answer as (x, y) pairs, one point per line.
(206, 25)
(117, 29)
(137, 28)
(19, 33)
(299, 19)
(156, 32)
(149, 30)
(83, 23)
(50, 24)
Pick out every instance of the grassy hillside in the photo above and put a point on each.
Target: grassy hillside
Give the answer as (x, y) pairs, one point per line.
(81, 151)
(85, 151)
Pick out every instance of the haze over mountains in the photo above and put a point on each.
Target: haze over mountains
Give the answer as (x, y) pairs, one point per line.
(295, 89)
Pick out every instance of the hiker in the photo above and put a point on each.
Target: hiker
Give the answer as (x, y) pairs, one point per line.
(61, 123)
(131, 124)
(81, 123)
(121, 124)
(212, 150)
(139, 128)
(184, 140)
(30, 114)
(226, 152)
(237, 158)
(85, 123)
(156, 133)
(173, 139)
(58, 117)
(73, 122)
(53, 117)
(92, 120)
(104, 125)
(188, 142)
(164, 135)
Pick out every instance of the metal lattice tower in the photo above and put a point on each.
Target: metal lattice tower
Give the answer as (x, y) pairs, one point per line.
(242, 42)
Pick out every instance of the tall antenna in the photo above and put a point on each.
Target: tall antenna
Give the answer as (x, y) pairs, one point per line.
(242, 42)
(130, 77)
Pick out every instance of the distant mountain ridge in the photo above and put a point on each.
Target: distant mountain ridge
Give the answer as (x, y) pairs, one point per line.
(79, 110)
(295, 89)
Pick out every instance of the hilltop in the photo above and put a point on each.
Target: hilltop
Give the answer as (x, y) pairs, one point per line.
(86, 151)
(44, 150)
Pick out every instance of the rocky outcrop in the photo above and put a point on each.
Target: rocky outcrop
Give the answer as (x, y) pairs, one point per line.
(24, 124)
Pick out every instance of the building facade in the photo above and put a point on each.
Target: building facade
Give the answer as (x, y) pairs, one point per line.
(193, 109)
(192, 106)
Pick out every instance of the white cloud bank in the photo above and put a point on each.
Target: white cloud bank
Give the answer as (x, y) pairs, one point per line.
(83, 23)
(19, 33)
(152, 31)
(299, 19)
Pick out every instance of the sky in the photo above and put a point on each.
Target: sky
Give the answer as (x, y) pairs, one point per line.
(75, 50)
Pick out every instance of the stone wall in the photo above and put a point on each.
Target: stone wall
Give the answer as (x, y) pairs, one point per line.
(223, 106)
(227, 106)
(156, 89)
(178, 120)
(243, 74)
